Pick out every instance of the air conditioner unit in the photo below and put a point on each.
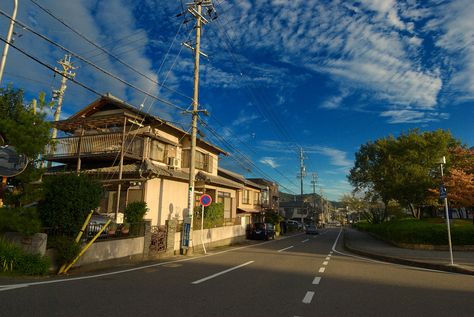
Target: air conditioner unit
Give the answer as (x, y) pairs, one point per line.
(173, 162)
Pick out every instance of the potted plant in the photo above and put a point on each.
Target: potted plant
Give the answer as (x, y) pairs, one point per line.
(112, 228)
(125, 228)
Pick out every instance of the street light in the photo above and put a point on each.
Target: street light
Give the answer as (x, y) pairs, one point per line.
(7, 43)
(443, 195)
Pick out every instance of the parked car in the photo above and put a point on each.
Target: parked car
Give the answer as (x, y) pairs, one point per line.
(294, 225)
(260, 230)
(311, 229)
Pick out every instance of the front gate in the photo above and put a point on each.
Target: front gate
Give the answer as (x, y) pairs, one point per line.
(158, 239)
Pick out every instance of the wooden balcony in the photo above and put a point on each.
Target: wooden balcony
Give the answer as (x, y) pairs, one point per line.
(97, 147)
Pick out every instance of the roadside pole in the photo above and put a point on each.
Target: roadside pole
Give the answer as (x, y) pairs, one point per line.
(205, 200)
(443, 195)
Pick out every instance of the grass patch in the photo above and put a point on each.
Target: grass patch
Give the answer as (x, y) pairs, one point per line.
(422, 231)
(16, 261)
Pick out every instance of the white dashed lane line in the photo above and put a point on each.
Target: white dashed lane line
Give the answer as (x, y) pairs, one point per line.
(305, 241)
(322, 269)
(285, 249)
(325, 263)
(308, 297)
(316, 280)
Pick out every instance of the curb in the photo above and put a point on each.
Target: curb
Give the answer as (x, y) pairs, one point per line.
(408, 262)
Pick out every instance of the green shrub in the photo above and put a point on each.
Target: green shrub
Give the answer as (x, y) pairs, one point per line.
(22, 220)
(15, 260)
(67, 248)
(67, 201)
(135, 211)
(424, 231)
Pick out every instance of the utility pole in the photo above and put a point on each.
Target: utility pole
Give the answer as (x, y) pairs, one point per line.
(59, 94)
(313, 183)
(195, 9)
(301, 175)
(9, 36)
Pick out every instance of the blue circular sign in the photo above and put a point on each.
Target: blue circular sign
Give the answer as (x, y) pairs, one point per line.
(205, 200)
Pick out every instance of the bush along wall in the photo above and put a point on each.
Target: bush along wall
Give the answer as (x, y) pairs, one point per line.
(14, 260)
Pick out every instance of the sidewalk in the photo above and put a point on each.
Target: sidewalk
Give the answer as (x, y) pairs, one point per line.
(365, 244)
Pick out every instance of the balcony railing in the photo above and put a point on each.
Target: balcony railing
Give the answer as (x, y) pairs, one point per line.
(95, 144)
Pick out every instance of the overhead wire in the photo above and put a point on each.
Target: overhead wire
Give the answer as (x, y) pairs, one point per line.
(103, 49)
(164, 101)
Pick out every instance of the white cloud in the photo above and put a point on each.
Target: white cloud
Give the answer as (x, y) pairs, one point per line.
(336, 157)
(270, 161)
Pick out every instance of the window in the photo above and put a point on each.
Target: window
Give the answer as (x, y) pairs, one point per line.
(257, 198)
(225, 198)
(246, 196)
(203, 161)
(157, 151)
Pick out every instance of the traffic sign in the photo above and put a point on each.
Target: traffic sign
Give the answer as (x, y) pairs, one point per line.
(205, 200)
(442, 192)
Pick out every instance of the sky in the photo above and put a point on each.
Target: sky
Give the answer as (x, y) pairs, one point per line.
(280, 76)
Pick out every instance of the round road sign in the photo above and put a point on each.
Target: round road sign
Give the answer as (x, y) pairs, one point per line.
(205, 200)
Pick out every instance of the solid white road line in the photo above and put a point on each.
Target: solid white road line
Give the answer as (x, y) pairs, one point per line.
(308, 297)
(305, 241)
(221, 273)
(325, 263)
(316, 280)
(285, 249)
(322, 269)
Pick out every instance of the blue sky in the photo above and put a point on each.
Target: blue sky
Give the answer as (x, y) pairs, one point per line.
(326, 76)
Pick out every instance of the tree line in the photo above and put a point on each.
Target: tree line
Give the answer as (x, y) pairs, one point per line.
(405, 171)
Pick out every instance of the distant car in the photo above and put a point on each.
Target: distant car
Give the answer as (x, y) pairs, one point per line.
(311, 229)
(260, 230)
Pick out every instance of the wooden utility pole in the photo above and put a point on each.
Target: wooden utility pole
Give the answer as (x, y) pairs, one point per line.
(313, 182)
(195, 9)
(59, 94)
(301, 175)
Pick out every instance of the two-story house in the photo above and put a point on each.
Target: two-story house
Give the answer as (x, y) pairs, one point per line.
(270, 195)
(249, 200)
(138, 157)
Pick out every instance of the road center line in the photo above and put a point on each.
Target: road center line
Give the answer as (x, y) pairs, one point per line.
(325, 263)
(305, 241)
(322, 269)
(221, 273)
(308, 297)
(285, 249)
(316, 280)
(328, 258)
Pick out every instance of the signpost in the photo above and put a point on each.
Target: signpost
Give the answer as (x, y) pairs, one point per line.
(205, 200)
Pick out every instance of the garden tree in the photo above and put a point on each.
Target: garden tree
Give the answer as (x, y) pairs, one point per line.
(21, 125)
(67, 200)
(403, 169)
(24, 128)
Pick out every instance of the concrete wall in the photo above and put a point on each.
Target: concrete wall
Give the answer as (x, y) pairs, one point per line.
(113, 249)
(213, 237)
(34, 244)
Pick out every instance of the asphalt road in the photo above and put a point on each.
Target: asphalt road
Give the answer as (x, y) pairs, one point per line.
(295, 276)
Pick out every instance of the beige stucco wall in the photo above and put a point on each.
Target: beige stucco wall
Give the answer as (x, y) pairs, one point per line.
(112, 249)
(211, 237)
(166, 199)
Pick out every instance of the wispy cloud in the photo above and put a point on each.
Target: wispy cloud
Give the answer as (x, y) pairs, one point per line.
(336, 157)
(412, 116)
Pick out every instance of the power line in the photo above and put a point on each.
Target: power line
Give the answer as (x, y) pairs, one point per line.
(104, 50)
(164, 101)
